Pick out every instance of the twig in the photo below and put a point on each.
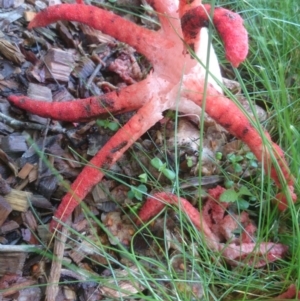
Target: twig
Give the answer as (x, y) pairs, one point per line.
(19, 248)
(29, 125)
(59, 248)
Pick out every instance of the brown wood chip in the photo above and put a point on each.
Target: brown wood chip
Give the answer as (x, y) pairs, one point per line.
(24, 172)
(5, 210)
(12, 262)
(19, 200)
(11, 52)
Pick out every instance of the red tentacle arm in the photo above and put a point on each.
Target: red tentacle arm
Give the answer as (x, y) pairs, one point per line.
(158, 201)
(146, 42)
(92, 173)
(228, 24)
(131, 99)
(260, 254)
(227, 114)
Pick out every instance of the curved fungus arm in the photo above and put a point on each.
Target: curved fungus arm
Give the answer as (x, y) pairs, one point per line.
(259, 254)
(143, 40)
(227, 114)
(228, 24)
(154, 204)
(130, 99)
(92, 173)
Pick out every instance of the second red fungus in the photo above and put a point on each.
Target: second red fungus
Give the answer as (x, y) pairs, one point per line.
(211, 223)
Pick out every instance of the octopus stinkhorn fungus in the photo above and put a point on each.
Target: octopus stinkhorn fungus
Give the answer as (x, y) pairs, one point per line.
(177, 82)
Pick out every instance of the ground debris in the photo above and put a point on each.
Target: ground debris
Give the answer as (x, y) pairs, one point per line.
(12, 263)
(5, 210)
(59, 64)
(11, 52)
(12, 283)
(122, 285)
(19, 200)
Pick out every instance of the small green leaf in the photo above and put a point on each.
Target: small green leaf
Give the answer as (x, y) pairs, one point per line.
(142, 188)
(156, 163)
(162, 167)
(219, 155)
(239, 158)
(250, 156)
(137, 192)
(237, 168)
(189, 161)
(140, 191)
(229, 196)
(169, 174)
(253, 164)
(244, 191)
(143, 177)
(228, 184)
(231, 157)
(113, 126)
(101, 122)
(138, 195)
(243, 204)
(130, 194)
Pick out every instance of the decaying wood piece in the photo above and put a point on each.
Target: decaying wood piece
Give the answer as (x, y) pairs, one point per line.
(84, 249)
(44, 233)
(29, 220)
(66, 35)
(19, 248)
(6, 3)
(13, 283)
(18, 124)
(8, 161)
(11, 52)
(12, 262)
(84, 68)
(96, 36)
(5, 210)
(59, 64)
(25, 171)
(125, 287)
(40, 201)
(30, 293)
(9, 226)
(58, 252)
(14, 144)
(121, 229)
(29, 15)
(19, 200)
(69, 293)
(41, 93)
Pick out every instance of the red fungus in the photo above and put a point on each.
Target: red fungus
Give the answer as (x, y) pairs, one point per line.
(174, 73)
(290, 293)
(211, 222)
(228, 24)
